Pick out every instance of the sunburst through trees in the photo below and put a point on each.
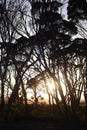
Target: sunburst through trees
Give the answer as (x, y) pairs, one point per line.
(41, 57)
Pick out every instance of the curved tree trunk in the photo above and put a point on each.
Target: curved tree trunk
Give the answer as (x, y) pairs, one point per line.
(85, 88)
(12, 98)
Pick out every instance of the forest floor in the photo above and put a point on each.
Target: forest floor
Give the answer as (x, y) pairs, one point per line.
(42, 119)
(43, 124)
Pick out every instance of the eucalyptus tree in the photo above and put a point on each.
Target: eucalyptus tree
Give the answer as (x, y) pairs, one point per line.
(12, 26)
(7, 32)
(36, 84)
(53, 36)
(78, 14)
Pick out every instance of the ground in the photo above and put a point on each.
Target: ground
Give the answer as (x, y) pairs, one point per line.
(42, 118)
(43, 124)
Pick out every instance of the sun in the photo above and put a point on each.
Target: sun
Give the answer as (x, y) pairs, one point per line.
(52, 87)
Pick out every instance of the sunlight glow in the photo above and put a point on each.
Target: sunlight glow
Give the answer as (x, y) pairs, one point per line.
(51, 87)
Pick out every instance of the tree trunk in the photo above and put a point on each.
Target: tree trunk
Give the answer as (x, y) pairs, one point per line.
(12, 98)
(2, 95)
(24, 93)
(85, 88)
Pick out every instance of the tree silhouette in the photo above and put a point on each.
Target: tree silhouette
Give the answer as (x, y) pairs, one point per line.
(35, 40)
(11, 15)
(78, 15)
(53, 37)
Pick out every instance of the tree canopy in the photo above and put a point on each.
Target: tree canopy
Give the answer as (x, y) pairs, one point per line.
(35, 40)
